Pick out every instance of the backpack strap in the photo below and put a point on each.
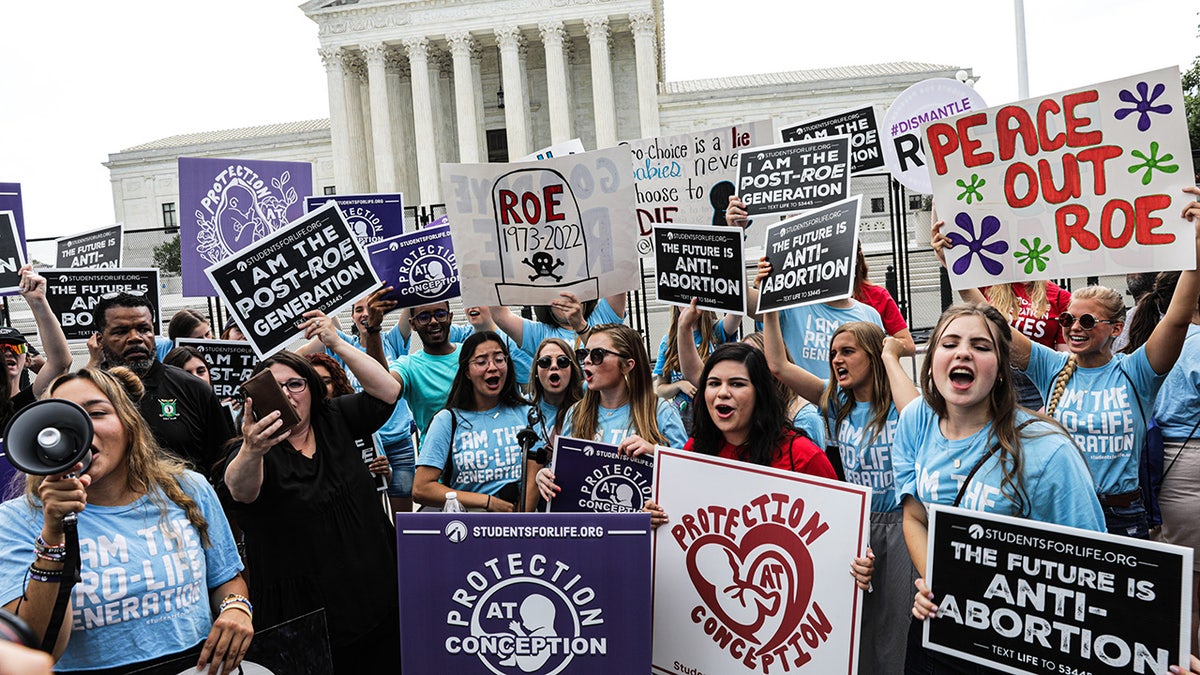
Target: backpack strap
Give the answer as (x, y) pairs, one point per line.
(962, 490)
(447, 477)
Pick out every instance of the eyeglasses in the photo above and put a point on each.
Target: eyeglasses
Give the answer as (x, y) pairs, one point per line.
(295, 385)
(483, 361)
(562, 360)
(15, 348)
(1086, 321)
(115, 294)
(596, 354)
(424, 317)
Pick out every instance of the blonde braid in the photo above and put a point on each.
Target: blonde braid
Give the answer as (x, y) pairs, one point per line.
(1060, 383)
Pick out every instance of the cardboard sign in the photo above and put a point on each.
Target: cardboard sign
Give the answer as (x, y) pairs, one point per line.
(701, 262)
(420, 266)
(812, 257)
(571, 147)
(1029, 597)
(750, 571)
(689, 178)
(859, 124)
(793, 177)
(10, 200)
(12, 254)
(925, 101)
(74, 294)
(230, 362)
(595, 478)
(525, 232)
(95, 249)
(313, 263)
(372, 217)
(1079, 183)
(514, 594)
(226, 205)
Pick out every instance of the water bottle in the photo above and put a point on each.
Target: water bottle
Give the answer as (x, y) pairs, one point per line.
(452, 504)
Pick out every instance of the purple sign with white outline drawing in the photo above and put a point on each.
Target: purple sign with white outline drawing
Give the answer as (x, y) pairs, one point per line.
(373, 217)
(596, 478)
(419, 266)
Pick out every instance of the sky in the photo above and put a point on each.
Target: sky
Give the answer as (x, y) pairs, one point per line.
(81, 79)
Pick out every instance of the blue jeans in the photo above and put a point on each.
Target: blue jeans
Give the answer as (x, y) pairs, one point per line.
(403, 460)
(1127, 521)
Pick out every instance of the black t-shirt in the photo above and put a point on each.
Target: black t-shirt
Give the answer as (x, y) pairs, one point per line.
(317, 535)
(185, 415)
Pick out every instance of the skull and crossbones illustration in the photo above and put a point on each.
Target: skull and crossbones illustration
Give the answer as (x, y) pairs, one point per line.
(544, 265)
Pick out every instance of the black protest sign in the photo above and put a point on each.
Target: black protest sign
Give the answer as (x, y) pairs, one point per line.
(812, 257)
(230, 362)
(315, 262)
(74, 294)
(12, 254)
(794, 177)
(702, 262)
(96, 249)
(1029, 597)
(859, 124)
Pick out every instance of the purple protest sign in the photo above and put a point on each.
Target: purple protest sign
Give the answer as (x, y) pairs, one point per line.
(372, 217)
(420, 266)
(227, 204)
(524, 594)
(10, 200)
(595, 478)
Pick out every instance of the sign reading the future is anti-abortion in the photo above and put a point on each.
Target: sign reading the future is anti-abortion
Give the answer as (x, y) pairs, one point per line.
(372, 217)
(525, 232)
(859, 124)
(751, 577)
(1074, 184)
(700, 262)
(524, 593)
(98, 248)
(794, 177)
(73, 295)
(419, 266)
(596, 478)
(812, 257)
(227, 204)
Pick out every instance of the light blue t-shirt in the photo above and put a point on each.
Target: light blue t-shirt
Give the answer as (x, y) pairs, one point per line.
(162, 345)
(928, 466)
(546, 429)
(808, 419)
(487, 455)
(614, 425)
(145, 582)
(398, 428)
(868, 464)
(427, 379)
(534, 332)
(1100, 411)
(808, 332)
(682, 400)
(1178, 406)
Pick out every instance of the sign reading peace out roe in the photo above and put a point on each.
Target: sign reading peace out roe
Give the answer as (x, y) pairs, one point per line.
(812, 257)
(704, 263)
(230, 362)
(1028, 597)
(596, 478)
(98, 248)
(1079, 183)
(420, 266)
(525, 232)
(859, 124)
(794, 177)
(313, 263)
(751, 578)
(73, 295)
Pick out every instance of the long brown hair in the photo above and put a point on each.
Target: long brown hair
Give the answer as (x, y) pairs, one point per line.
(839, 402)
(705, 326)
(1005, 300)
(643, 404)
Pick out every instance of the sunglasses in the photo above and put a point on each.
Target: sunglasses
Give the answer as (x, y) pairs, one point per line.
(116, 294)
(16, 349)
(1086, 321)
(424, 317)
(563, 361)
(596, 354)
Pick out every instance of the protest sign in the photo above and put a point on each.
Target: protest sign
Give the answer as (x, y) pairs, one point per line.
(859, 124)
(793, 177)
(1030, 597)
(95, 249)
(12, 254)
(701, 262)
(10, 200)
(372, 217)
(595, 478)
(1079, 183)
(315, 263)
(227, 204)
(903, 143)
(74, 294)
(513, 594)
(765, 555)
(571, 147)
(812, 257)
(689, 178)
(230, 362)
(525, 232)
(419, 266)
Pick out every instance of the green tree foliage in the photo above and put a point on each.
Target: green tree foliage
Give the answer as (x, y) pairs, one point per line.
(1191, 98)
(166, 256)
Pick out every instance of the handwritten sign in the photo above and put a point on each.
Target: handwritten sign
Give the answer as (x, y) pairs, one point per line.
(596, 478)
(794, 177)
(812, 257)
(372, 217)
(571, 147)
(97, 248)
(701, 262)
(420, 266)
(925, 101)
(73, 295)
(859, 124)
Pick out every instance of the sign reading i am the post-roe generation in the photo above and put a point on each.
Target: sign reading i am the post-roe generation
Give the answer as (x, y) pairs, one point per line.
(230, 362)
(859, 124)
(1029, 597)
(597, 478)
(794, 177)
(701, 262)
(812, 257)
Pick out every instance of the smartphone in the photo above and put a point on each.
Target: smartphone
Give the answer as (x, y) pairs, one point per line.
(268, 397)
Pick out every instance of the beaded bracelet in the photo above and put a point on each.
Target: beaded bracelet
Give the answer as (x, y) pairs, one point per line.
(239, 602)
(49, 552)
(45, 576)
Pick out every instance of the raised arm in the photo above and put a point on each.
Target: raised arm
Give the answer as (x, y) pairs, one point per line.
(735, 216)
(691, 366)
(377, 306)
(1165, 343)
(618, 303)
(374, 378)
(512, 325)
(54, 341)
(799, 380)
(903, 389)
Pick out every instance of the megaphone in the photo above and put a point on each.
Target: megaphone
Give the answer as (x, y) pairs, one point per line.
(49, 437)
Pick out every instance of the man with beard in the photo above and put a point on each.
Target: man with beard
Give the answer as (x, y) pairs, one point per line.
(425, 376)
(182, 411)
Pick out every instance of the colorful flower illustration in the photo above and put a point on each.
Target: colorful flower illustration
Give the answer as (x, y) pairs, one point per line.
(971, 190)
(1033, 255)
(987, 229)
(1143, 106)
(1152, 163)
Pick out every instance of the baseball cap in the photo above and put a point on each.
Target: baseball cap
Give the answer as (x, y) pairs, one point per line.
(12, 336)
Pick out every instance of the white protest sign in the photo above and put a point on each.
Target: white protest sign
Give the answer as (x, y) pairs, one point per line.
(1079, 183)
(751, 578)
(925, 101)
(571, 147)
(527, 231)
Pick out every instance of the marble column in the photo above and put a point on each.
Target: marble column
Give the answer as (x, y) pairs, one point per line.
(602, 86)
(516, 108)
(461, 45)
(335, 75)
(557, 90)
(381, 117)
(645, 30)
(359, 173)
(428, 172)
(404, 153)
(480, 94)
